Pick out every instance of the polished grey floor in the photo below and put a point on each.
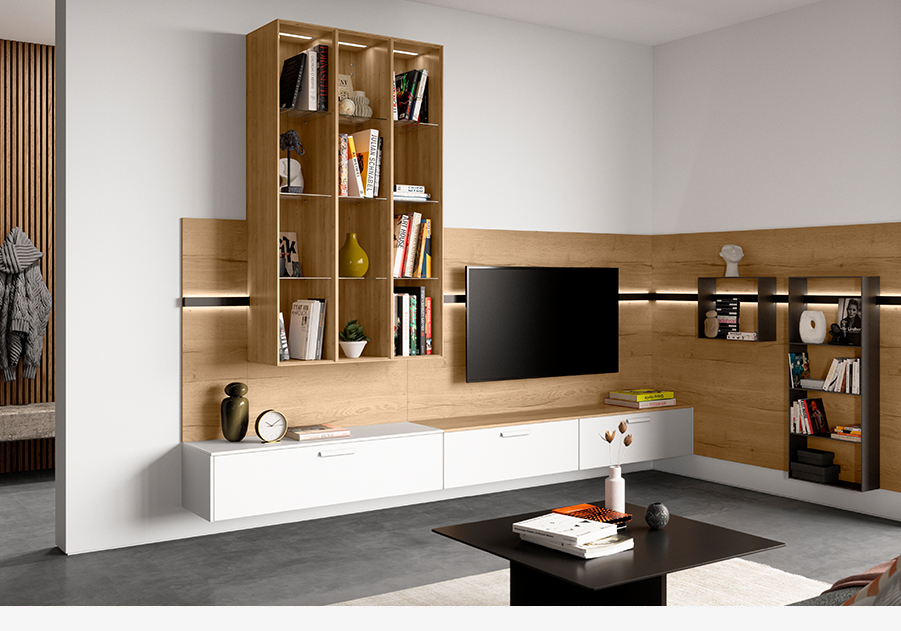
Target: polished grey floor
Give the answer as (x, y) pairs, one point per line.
(342, 558)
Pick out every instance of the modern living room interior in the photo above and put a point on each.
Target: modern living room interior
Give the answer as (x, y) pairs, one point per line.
(773, 127)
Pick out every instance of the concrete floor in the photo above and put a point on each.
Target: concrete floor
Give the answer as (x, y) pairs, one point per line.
(341, 558)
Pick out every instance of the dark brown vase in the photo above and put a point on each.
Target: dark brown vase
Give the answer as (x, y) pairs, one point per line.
(235, 412)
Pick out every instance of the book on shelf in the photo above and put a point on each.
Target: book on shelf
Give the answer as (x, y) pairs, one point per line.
(798, 368)
(641, 405)
(401, 226)
(843, 376)
(394, 95)
(595, 513)
(417, 313)
(424, 111)
(283, 353)
(641, 394)
(404, 89)
(596, 549)
(291, 81)
(851, 438)
(425, 235)
(322, 76)
(305, 332)
(355, 186)
(744, 336)
(316, 432)
(413, 231)
(308, 98)
(409, 189)
(728, 311)
(378, 167)
(428, 325)
(849, 319)
(854, 430)
(564, 528)
(342, 165)
(812, 384)
(288, 256)
(401, 325)
(345, 87)
(421, 80)
(808, 417)
(366, 143)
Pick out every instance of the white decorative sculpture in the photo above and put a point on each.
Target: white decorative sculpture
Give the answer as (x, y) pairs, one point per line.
(296, 173)
(812, 327)
(732, 254)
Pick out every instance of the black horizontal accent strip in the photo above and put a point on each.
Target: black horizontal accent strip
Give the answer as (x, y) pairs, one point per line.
(216, 301)
(450, 299)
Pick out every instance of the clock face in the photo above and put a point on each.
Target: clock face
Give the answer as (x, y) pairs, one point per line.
(271, 426)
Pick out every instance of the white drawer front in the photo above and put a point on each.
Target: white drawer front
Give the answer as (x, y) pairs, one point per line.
(507, 453)
(657, 434)
(320, 475)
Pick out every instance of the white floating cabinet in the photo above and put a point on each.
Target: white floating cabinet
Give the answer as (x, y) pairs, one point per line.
(507, 453)
(656, 434)
(223, 480)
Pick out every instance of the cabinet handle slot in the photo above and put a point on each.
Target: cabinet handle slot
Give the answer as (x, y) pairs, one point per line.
(337, 452)
(638, 419)
(515, 433)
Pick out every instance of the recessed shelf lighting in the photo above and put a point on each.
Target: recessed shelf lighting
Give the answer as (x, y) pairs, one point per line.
(295, 36)
(405, 52)
(352, 44)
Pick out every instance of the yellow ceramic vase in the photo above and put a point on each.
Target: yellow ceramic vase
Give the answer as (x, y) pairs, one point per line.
(352, 259)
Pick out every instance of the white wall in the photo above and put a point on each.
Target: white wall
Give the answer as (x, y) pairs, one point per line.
(151, 129)
(786, 121)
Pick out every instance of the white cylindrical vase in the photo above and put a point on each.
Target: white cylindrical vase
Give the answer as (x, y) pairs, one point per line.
(615, 491)
(812, 327)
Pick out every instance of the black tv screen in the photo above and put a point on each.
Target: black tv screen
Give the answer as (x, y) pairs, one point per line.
(529, 322)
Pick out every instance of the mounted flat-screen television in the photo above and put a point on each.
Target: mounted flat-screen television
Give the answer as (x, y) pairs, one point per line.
(530, 322)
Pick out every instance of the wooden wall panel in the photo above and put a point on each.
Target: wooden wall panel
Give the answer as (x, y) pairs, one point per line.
(738, 389)
(27, 181)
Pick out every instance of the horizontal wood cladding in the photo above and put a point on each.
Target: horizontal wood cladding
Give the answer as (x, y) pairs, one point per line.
(214, 341)
(27, 182)
(738, 389)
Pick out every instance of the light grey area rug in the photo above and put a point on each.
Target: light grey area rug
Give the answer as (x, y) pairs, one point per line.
(732, 583)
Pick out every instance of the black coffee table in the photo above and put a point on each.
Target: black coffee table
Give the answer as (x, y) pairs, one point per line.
(541, 576)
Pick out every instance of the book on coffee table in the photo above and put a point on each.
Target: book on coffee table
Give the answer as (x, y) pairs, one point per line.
(564, 529)
(591, 550)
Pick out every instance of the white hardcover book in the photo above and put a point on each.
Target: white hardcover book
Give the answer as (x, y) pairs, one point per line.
(405, 325)
(591, 550)
(300, 326)
(378, 167)
(413, 243)
(409, 189)
(313, 334)
(367, 146)
(565, 528)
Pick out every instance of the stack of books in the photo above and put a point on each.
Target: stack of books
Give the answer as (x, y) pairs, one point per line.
(412, 246)
(411, 96)
(316, 432)
(843, 376)
(808, 416)
(410, 193)
(412, 322)
(359, 164)
(305, 334)
(850, 433)
(727, 314)
(585, 538)
(641, 399)
(304, 81)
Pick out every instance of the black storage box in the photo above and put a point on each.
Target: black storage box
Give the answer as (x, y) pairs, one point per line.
(815, 456)
(815, 473)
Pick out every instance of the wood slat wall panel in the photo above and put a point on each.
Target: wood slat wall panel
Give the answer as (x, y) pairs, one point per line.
(27, 455)
(738, 389)
(27, 179)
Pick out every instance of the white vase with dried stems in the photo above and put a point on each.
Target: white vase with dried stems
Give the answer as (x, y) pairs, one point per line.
(615, 485)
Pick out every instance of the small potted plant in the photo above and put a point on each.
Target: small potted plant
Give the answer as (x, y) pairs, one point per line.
(352, 339)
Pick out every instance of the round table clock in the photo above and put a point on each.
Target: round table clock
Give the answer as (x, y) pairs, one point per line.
(271, 426)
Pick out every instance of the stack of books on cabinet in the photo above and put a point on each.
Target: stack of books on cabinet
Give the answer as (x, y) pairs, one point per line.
(642, 398)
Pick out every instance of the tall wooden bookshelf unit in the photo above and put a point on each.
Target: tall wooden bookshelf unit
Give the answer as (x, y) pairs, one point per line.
(411, 154)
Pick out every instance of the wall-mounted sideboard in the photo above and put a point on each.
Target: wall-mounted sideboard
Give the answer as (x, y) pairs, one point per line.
(223, 480)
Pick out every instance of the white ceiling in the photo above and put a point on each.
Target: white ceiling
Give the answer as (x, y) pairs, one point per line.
(649, 22)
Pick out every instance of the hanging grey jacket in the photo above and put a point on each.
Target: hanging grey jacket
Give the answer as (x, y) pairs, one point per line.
(24, 306)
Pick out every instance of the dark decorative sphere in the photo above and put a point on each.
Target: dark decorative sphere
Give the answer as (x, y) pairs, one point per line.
(657, 516)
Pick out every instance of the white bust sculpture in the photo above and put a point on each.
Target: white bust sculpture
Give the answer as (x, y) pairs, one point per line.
(732, 254)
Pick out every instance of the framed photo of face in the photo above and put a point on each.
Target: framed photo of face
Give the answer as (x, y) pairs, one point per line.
(849, 315)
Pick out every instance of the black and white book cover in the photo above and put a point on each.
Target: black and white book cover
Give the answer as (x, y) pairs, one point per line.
(849, 319)
(288, 256)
